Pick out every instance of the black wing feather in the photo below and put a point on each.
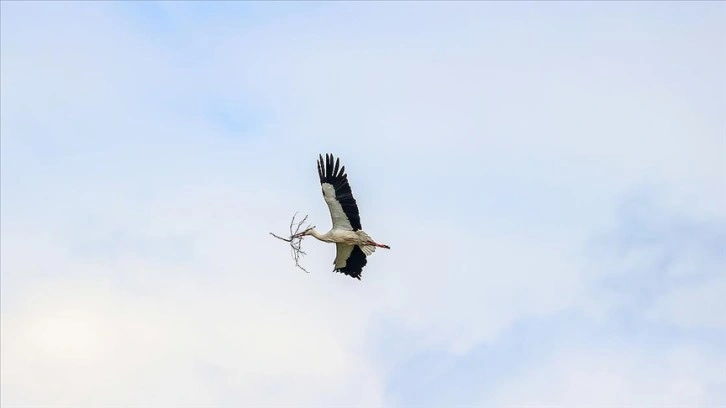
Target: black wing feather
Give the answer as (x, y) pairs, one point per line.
(330, 172)
(355, 263)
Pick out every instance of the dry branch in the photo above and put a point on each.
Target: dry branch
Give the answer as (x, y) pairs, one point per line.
(295, 240)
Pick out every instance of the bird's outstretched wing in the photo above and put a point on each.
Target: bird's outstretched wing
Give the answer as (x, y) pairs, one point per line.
(350, 260)
(337, 194)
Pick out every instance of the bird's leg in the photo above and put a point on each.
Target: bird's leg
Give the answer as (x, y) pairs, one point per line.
(378, 245)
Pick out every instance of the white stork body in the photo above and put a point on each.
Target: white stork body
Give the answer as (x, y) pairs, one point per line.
(353, 245)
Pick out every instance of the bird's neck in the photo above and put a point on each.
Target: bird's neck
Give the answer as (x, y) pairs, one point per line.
(319, 235)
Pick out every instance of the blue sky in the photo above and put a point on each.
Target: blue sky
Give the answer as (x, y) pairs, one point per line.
(551, 179)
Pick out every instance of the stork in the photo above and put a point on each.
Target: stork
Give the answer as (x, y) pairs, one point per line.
(352, 244)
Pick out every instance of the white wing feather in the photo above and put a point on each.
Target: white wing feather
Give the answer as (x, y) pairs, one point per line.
(340, 220)
(342, 252)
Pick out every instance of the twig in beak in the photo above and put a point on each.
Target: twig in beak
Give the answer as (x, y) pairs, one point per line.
(295, 240)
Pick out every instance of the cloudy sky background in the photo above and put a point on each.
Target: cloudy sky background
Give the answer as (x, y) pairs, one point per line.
(551, 178)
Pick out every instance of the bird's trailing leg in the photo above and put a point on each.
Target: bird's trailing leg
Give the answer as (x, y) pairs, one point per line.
(378, 245)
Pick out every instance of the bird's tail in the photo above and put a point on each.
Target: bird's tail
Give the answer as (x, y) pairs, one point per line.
(367, 249)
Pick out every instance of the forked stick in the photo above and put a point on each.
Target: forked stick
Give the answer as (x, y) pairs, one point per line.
(295, 240)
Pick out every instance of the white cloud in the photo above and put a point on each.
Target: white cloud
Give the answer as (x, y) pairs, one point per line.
(469, 289)
(699, 305)
(619, 376)
(234, 323)
(661, 265)
(78, 343)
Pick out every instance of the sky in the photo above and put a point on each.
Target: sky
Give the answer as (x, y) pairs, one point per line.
(550, 176)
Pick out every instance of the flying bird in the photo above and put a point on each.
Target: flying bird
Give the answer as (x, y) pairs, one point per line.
(352, 244)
